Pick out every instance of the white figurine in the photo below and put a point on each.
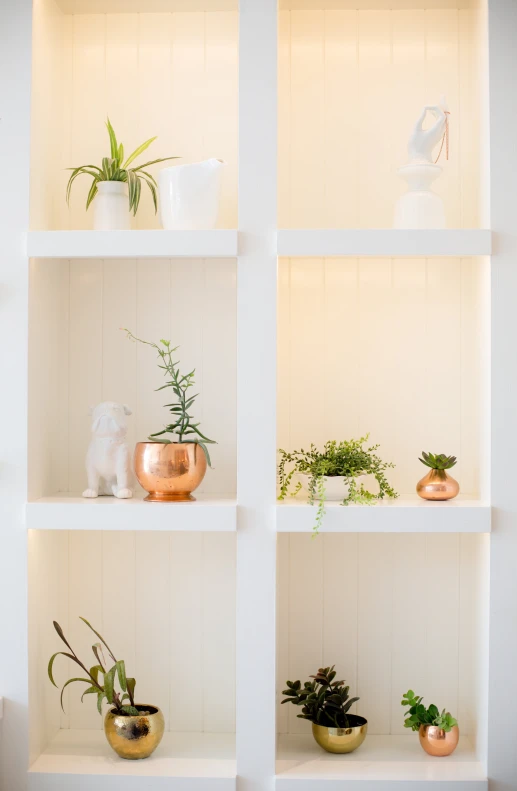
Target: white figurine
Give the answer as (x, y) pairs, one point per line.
(108, 461)
(423, 141)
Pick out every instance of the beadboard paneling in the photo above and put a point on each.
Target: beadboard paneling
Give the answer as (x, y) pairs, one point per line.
(79, 357)
(173, 75)
(387, 346)
(166, 605)
(351, 86)
(392, 612)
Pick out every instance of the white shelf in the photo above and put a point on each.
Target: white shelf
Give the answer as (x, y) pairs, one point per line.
(73, 512)
(132, 244)
(383, 243)
(387, 516)
(382, 763)
(182, 762)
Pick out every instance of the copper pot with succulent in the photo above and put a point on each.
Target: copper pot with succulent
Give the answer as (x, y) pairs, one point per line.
(438, 732)
(325, 703)
(133, 730)
(170, 470)
(437, 484)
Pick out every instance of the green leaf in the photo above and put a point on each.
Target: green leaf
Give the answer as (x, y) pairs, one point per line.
(95, 670)
(100, 698)
(121, 671)
(91, 194)
(90, 691)
(103, 641)
(51, 663)
(130, 710)
(109, 684)
(131, 684)
(62, 636)
(139, 151)
(71, 681)
(113, 140)
(153, 162)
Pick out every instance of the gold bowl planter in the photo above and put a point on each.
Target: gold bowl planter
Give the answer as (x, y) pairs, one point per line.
(169, 472)
(135, 737)
(437, 485)
(436, 741)
(341, 740)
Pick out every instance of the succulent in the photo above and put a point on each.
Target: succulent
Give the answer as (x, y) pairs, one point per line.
(438, 461)
(348, 459)
(114, 168)
(104, 688)
(418, 714)
(325, 701)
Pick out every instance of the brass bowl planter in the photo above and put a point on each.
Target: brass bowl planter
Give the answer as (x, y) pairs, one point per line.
(438, 742)
(341, 740)
(437, 485)
(169, 472)
(134, 737)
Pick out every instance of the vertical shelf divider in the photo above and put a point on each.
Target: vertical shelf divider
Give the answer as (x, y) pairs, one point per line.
(256, 395)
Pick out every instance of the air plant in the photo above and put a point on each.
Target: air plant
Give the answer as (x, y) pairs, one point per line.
(324, 701)
(418, 715)
(438, 462)
(182, 425)
(99, 680)
(114, 168)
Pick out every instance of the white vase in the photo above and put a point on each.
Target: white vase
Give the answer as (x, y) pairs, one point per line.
(189, 195)
(111, 207)
(420, 207)
(335, 486)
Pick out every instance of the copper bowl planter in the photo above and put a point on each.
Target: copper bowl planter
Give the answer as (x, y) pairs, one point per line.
(169, 472)
(436, 741)
(135, 737)
(437, 485)
(341, 740)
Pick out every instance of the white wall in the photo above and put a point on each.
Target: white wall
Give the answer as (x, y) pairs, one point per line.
(351, 86)
(391, 347)
(79, 357)
(168, 74)
(392, 612)
(165, 603)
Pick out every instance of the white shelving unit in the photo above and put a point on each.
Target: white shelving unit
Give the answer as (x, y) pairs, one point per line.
(307, 318)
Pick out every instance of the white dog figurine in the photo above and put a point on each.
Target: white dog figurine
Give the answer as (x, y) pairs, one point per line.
(108, 461)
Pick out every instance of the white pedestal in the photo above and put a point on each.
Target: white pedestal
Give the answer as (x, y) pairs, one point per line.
(420, 207)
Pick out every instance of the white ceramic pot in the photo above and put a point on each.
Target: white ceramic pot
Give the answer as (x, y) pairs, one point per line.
(419, 207)
(189, 195)
(335, 486)
(111, 207)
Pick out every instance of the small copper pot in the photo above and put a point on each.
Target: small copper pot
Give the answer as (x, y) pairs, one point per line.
(135, 737)
(437, 485)
(170, 473)
(436, 741)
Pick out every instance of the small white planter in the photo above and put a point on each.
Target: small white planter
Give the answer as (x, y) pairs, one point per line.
(189, 195)
(111, 207)
(335, 486)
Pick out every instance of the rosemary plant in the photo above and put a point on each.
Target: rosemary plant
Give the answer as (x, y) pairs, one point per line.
(182, 425)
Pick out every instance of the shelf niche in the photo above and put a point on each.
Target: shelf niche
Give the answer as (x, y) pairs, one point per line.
(167, 68)
(165, 602)
(78, 357)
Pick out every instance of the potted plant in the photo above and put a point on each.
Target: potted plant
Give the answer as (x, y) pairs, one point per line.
(437, 484)
(133, 730)
(333, 474)
(118, 186)
(326, 704)
(171, 469)
(438, 732)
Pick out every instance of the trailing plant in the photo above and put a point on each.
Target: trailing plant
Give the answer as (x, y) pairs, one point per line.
(324, 701)
(347, 459)
(99, 680)
(418, 715)
(182, 424)
(438, 462)
(114, 168)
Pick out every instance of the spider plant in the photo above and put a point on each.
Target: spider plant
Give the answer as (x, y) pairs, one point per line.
(114, 168)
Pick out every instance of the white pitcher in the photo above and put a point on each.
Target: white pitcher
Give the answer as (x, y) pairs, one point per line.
(189, 195)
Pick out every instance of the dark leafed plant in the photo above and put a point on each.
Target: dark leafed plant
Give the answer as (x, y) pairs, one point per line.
(324, 701)
(438, 462)
(182, 424)
(99, 680)
(114, 168)
(418, 715)
(347, 459)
